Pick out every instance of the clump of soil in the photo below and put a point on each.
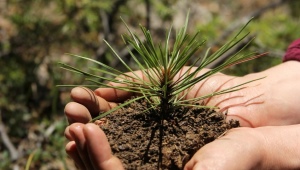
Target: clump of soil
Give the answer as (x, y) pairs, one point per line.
(134, 135)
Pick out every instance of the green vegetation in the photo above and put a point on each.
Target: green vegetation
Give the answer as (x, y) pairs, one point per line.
(36, 34)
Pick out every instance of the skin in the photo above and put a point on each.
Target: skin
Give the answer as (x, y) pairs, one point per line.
(268, 110)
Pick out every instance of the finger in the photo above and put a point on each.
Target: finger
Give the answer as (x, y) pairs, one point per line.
(67, 134)
(76, 130)
(115, 95)
(237, 150)
(90, 100)
(99, 149)
(71, 150)
(76, 112)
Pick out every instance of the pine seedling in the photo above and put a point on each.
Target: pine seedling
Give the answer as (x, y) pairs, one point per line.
(160, 63)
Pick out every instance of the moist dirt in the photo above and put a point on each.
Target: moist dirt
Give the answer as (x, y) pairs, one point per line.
(141, 140)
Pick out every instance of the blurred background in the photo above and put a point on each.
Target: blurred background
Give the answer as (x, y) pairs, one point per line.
(36, 34)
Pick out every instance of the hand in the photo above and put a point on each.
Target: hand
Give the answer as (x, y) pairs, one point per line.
(269, 101)
(89, 148)
(268, 147)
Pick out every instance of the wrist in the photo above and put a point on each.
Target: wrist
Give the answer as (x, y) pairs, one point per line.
(279, 147)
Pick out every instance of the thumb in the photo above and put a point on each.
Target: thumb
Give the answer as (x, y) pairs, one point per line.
(238, 149)
(99, 150)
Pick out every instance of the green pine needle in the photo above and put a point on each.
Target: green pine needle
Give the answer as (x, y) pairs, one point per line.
(160, 63)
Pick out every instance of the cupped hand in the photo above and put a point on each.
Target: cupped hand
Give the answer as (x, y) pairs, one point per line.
(269, 101)
(89, 148)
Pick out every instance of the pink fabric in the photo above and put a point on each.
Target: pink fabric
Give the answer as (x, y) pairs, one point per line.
(293, 51)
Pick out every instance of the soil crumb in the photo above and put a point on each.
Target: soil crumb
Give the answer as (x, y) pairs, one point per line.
(134, 135)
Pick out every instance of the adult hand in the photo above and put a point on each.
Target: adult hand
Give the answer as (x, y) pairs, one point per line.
(268, 147)
(270, 101)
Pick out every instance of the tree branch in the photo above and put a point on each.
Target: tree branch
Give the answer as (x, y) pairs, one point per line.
(255, 15)
(107, 23)
(235, 25)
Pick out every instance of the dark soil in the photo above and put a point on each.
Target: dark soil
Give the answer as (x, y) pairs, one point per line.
(134, 135)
